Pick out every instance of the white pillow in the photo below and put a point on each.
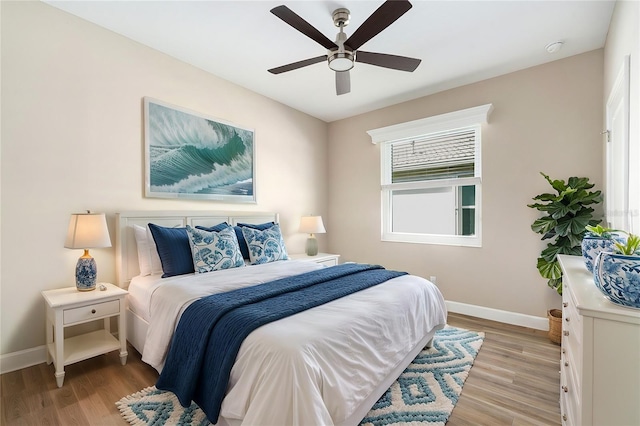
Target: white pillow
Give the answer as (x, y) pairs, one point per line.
(148, 259)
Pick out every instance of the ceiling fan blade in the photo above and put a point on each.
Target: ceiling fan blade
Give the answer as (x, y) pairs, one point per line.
(291, 18)
(384, 16)
(385, 60)
(299, 64)
(343, 82)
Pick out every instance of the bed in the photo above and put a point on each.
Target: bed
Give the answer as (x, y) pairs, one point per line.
(326, 365)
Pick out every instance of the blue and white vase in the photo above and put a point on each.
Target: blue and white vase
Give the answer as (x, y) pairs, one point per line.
(592, 245)
(618, 278)
(86, 273)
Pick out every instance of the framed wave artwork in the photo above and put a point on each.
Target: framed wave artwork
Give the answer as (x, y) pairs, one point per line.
(190, 155)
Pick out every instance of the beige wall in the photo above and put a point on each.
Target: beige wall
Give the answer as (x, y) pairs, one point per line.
(72, 140)
(547, 118)
(624, 39)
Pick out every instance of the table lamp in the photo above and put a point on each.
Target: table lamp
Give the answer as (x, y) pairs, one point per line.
(87, 230)
(312, 225)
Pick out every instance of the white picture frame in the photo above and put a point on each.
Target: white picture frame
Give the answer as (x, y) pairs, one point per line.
(193, 156)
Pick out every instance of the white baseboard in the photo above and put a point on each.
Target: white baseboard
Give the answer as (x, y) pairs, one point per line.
(28, 357)
(514, 318)
(22, 359)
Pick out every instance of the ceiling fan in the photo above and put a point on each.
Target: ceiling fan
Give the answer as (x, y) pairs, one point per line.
(343, 53)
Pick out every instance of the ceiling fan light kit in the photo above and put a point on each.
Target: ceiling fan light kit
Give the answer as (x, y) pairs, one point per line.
(341, 61)
(343, 53)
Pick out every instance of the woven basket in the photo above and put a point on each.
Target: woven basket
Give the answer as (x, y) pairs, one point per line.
(555, 325)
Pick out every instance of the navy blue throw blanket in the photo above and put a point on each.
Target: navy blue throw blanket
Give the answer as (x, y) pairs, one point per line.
(211, 330)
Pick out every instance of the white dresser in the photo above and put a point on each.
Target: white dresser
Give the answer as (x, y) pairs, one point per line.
(600, 367)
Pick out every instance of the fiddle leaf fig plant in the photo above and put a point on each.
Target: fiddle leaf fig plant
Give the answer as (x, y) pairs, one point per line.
(566, 216)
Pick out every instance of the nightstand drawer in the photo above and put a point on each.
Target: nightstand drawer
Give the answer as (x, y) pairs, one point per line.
(328, 262)
(91, 312)
(326, 259)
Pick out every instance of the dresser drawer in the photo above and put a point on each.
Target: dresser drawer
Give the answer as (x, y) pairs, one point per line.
(571, 320)
(571, 371)
(565, 416)
(91, 312)
(569, 397)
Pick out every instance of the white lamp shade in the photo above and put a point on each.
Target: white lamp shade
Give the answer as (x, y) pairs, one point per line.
(312, 225)
(87, 230)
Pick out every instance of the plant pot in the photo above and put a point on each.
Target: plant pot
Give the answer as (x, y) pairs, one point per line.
(618, 278)
(593, 245)
(555, 325)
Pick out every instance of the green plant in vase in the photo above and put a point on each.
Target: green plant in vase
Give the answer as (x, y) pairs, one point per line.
(631, 247)
(597, 239)
(601, 231)
(567, 213)
(617, 273)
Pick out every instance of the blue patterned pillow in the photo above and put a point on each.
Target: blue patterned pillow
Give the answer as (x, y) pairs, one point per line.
(243, 244)
(214, 250)
(265, 246)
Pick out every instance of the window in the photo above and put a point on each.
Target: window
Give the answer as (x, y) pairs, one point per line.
(431, 179)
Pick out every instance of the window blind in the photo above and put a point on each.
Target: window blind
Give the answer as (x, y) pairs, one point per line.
(449, 155)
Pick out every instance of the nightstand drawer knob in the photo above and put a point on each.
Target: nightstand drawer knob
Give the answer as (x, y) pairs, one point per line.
(565, 389)
(567, 319)
(565, 304)
(93, 311)
(566, 363)
(565, 333)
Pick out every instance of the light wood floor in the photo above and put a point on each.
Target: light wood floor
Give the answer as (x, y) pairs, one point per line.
(514, 381)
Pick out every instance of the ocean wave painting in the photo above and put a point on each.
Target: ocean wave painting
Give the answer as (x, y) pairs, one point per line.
(193, 156)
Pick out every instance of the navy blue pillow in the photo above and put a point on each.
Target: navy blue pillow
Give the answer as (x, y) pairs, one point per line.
(219, 227)
(174, 249)
(244, 249)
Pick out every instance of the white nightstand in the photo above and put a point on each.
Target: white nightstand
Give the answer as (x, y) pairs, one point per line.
(327, 259)
(66, 307)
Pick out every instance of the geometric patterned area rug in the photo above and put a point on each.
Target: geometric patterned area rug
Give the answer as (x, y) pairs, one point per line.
(424, 394)
(428, 389)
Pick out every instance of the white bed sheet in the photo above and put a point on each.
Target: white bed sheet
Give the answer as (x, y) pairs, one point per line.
(316, 366)
(140, 291)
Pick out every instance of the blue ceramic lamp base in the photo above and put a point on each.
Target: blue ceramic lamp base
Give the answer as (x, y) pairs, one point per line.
(86, 273)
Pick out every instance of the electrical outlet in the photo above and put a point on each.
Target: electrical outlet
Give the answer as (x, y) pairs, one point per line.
(432, 278)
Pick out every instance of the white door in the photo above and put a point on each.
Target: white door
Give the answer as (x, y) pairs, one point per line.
(617, 152)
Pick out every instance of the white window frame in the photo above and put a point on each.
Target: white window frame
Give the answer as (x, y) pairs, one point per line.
(468, 118)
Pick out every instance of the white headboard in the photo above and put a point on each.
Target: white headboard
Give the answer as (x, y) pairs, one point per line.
(126, 250)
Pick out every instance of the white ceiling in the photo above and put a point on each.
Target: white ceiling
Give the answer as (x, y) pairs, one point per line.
(459, 42)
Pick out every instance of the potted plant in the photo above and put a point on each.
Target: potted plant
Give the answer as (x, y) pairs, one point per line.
(566, 214)
(617, 274)
(597, 239)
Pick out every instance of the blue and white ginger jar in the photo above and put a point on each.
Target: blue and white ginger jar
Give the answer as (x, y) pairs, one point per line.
(618, 277)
